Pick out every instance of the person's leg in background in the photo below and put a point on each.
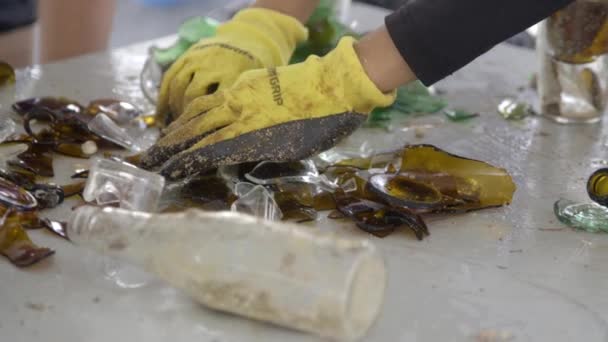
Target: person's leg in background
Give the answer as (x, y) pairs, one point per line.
(74, 27)
(17, 31)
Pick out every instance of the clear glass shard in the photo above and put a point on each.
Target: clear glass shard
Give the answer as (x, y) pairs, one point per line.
(340, 153)
(266, 173)
(117, 182)
(258, 202)
(103, 126)
(7, 128)
(243, 188)
(349, 186)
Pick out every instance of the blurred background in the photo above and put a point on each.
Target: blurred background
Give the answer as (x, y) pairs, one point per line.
(43, 31)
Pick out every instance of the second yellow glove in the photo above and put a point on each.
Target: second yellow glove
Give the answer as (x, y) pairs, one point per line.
(254, 38)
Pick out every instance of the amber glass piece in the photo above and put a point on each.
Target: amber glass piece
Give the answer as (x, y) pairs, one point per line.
(54, 104)
(72, 150)
(471, 184)
(37, 163)
(380, 160)
(16, 245)
(293, 209)
(207, 189)
(597, 186)
(24, 180)
(7, 74)
(149, 120)
(378, 219)
(306, 194)
(119, 111)
(403, 192)
(70, 190)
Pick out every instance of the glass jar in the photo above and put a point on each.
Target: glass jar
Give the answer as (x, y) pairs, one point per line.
(573, 53)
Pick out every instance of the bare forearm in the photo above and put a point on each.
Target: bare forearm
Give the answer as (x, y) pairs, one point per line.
(382, 61)
(73, 27)
(299, 9)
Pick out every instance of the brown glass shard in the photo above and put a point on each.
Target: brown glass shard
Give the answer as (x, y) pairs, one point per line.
(70, 190)
(38, 163)
(72, 150)
(378, 219)
(59, 104)
(205, 192)
(7, 74)
(16, 245)
(466, 184)
(292, 209)
(402, 192)
(380, 160)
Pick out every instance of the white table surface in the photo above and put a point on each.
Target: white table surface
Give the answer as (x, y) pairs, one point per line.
(496, 271)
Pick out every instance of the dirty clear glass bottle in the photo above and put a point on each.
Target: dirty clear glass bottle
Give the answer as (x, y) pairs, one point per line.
(573, 53)
(289, 275)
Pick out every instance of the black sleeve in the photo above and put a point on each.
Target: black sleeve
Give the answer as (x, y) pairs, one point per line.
(438, 37)
(17, 13)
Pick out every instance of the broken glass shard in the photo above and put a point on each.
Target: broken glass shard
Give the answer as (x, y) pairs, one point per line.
(403, 192)
(512, 109)
(413, 98)
(465, 184)
(119, 111)
(197, 28)
(459, 114)
(56, 227)
(268, 172)
(243, 188)
(47, 195)
(349, 186)
(53, 104)
(7, 74)
(14, 196)
(258, 202)
(117, 182)
(590, 217)
(378, 219)
(104, 127)
(7, 128)
(9, 152)
(15, 243)
(340, 153)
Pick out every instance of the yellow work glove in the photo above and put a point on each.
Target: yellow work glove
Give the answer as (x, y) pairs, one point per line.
(280, 114)
(255, 38)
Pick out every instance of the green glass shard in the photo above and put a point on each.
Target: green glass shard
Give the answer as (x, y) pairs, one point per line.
(459, 114)
(166, 57)
(511, 109)
(413, 98)
(190, 32)
(590, 217)
(197, 28)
